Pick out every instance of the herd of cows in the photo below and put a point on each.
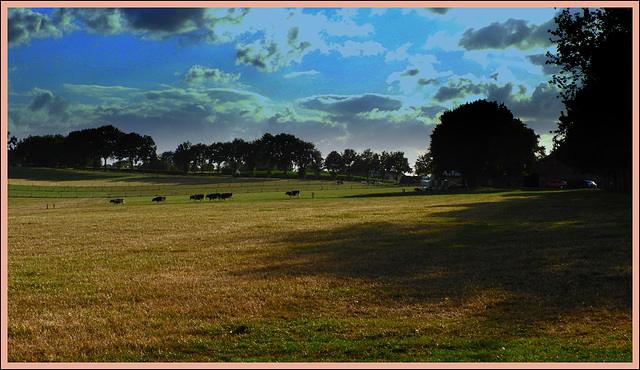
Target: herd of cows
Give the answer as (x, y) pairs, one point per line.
(200, 197)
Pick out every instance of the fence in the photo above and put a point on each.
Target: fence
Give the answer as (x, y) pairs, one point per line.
(142, 189)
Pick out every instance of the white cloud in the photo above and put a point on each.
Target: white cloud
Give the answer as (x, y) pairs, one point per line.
(298, 74)
(358, 49)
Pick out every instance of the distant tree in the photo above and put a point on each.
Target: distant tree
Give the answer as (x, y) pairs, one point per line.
(333, 163)
(78, 149)
(135, 148)
(12, 143)
(594, 51)
(349, 157)
(199, 156)
(217, 155)
(166, 161)
(306, 155)
(484, 142)
(252, 156)
(236, 153)
(104, 141)
(396, 163)
(317, 164)
(40, 151)
(183, 156)
(267, 152)
(424, 164)
(364, 164)
(285, 150)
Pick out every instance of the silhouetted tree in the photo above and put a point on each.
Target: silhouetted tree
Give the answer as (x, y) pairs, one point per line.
(595, 56)
(424, 164)
(183, 156)
(104, 141)
(365, 163)
(333, 163)
(484, 142)
(199, 156)
(40, 151)
(217, 155)
(396, 163)
(135, 148)
(306, 155)
(349, 157)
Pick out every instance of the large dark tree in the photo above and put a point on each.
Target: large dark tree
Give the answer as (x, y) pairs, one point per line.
(595, 56)
(485, 143)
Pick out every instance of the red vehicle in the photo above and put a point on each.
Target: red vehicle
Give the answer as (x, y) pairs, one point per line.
(559, 184)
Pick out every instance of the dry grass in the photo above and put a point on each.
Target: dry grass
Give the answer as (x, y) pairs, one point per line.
(495, 276)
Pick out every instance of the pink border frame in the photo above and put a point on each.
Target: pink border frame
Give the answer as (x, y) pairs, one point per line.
(4, 364)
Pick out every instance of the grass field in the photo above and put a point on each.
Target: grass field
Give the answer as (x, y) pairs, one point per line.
(354, 274)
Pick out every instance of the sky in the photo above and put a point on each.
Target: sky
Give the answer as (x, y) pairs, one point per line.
(353, 77)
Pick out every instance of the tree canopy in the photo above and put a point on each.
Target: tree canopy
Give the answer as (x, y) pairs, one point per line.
(596, 82)
(485, 143)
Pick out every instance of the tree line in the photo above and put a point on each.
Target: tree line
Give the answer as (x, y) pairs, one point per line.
(94, 147)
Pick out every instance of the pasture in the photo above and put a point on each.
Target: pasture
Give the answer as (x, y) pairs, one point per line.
(352, 274)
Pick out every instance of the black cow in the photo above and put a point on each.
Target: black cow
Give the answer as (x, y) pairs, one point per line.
(117, 201)
(293, 193)
(159, 199)
(224, 196)
(213, 196)
(197, 197)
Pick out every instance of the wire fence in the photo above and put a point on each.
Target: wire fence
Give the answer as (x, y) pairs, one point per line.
(142, 189)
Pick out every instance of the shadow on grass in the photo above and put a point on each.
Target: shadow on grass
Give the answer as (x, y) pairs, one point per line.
(551, 253)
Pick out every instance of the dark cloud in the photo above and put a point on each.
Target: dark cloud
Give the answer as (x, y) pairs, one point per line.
(189, 23)
(351, 105)
(292, 35)
(167, 20)
(516, 33)
(41, 101)
(425, 81)
(441, 11)
(23, 24)
(445, 93)
(54, 105)
(410, 72)
(541, 61)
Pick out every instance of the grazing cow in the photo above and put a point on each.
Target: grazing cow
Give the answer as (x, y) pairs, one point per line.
(213, 196)
(159, 199)
(117, 201)
(224, 196)
(293, 193)
(197, 197)
(338, 182)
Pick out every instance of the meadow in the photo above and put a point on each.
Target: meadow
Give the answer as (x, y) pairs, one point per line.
(350, 274)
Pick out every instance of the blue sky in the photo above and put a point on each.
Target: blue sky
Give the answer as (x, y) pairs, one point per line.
(359, 78)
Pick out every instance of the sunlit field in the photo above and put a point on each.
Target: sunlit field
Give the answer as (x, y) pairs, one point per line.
(344, 273)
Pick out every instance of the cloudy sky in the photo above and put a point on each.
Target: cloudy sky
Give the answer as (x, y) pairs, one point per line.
(352, 77)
